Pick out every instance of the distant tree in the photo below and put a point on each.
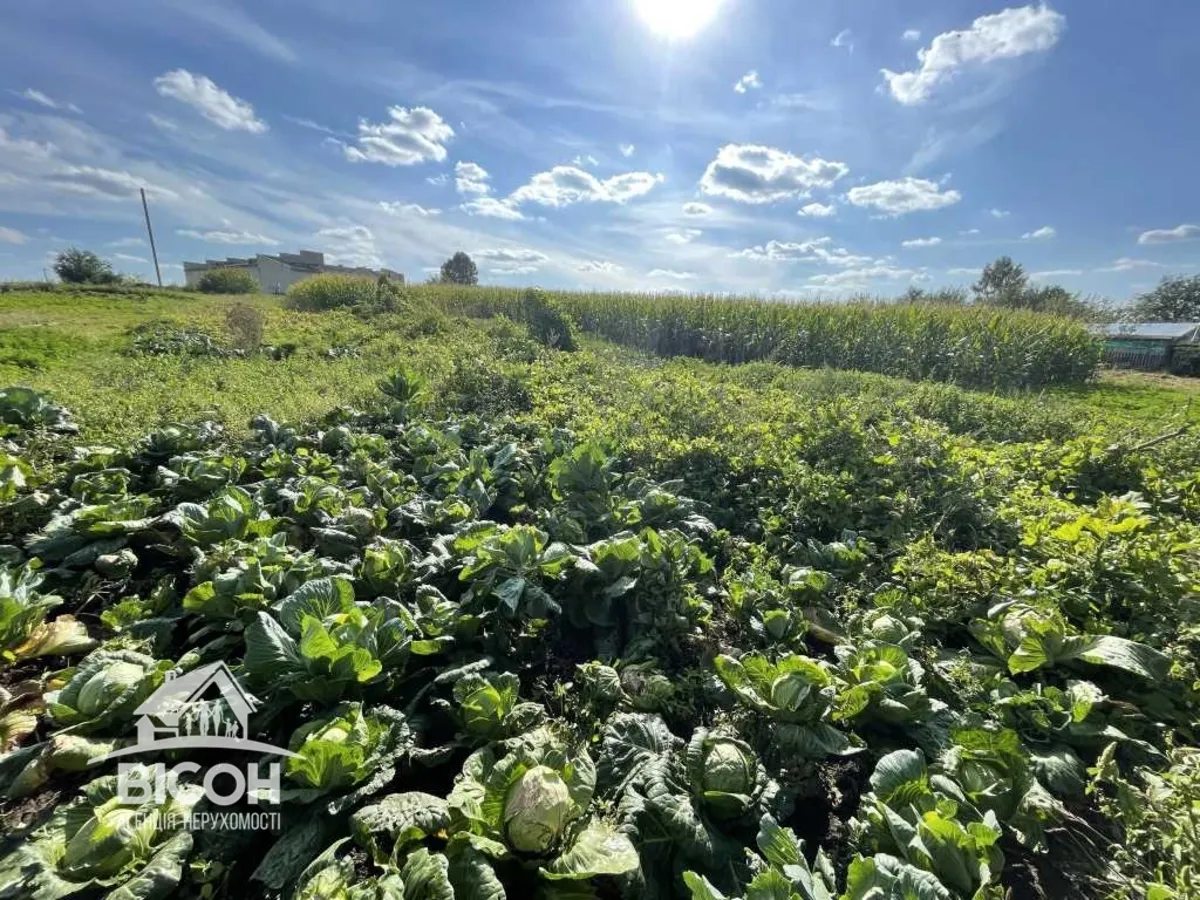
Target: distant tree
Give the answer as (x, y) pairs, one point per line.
(1176, 299)
(460, 269)
(1003, 283)
(1056, 300)
(75, 266)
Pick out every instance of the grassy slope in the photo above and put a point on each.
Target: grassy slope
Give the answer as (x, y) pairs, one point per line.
(74, 348)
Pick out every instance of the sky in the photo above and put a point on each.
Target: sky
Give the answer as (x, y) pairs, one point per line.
(789, 148)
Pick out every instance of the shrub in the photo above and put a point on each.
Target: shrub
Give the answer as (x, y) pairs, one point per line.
(227, 281)
(322, 292)
(548, 323)
(75, 266)
(245, 326)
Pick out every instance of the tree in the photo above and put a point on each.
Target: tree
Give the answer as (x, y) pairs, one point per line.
(1003, 283)
(1176, 299)
(75, 266)
(460, 269)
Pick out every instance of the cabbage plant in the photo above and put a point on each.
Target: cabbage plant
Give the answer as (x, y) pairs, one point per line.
(24, 631)
(105, 689)
(880, 682)
(131, 851)
(795, 696)
(529, 798)
(347, 751)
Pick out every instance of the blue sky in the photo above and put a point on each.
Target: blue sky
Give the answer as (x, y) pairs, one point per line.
(775, 147)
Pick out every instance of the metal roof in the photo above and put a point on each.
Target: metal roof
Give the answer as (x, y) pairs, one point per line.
(1186, 332)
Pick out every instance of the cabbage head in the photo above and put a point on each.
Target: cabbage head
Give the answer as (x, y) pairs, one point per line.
(537, 811)
(106, 688)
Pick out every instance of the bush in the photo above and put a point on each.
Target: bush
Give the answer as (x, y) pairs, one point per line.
(322, 292)
(548, 323)
(75, 266)
(245, 326)
(227, 281)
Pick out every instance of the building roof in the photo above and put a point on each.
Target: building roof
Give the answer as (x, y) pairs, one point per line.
(1175, 332)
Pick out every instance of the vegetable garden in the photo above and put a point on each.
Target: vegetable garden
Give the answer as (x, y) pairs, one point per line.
(535, 622)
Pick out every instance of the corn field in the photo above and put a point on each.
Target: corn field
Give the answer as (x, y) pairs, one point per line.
(970, 346)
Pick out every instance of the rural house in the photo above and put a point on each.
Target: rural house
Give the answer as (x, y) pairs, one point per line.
(275, 274)
(1152, 346)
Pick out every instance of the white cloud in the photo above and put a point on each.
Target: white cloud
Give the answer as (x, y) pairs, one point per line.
(126, 257)
(627, 150)
(513, 260)
(217, 105)
(861, 277)
(906, 195)
(971, 272)
(1045, 233)
(671, 273)
(565, 185)
(599, 266)
(396, 208)
(1127, 264)
(970, 232)
(471, 178)
(921, 242)
(845, 39)
(748, 82)
(1170, 235)
(999, 213)
(817, 210)
(410, 136)
(585, 160)
(491, 208)
(107, 183)
(128, 242)
(1055, 273)
(818, 250)
(697, 209)
(222, 236)
(750, 173)
(351, 245)
(1005, 35)
(683, 236)
(41, 99)
(11, 236)
(911, 34)
(439, 180)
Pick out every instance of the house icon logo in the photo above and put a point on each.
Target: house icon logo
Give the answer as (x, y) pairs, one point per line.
(203, 709)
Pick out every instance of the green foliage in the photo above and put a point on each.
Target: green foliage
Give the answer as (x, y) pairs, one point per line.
(979, 345)
(319, 293)
(632, 636)
(1175, 299)
(460, 269)
(75, 266)
(227, 281)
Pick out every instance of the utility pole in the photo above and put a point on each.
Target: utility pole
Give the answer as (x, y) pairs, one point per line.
(150, 231)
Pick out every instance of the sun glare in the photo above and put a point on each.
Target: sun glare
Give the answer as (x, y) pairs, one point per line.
(677, 19)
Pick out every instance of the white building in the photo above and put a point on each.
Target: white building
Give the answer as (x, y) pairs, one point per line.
(275, 274)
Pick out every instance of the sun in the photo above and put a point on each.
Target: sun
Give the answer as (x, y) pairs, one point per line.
(678, 19)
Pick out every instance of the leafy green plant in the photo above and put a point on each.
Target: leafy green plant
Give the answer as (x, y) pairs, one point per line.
(24, 631)
(99, 842)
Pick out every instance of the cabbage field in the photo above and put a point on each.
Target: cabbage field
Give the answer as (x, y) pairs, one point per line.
(538, 615)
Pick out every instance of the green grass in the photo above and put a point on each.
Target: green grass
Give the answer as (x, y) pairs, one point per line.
(75, 348)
